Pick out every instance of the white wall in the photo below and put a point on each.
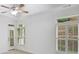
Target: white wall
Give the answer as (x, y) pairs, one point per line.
(40, 33)
(4, 21)
(40, 30)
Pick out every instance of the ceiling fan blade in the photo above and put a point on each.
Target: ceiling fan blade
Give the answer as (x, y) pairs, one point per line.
(4, 6)
(25, 11)
(21, 5)
(4, 12)
(14, 7)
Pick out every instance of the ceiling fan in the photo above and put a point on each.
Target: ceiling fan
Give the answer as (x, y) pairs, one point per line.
(16, 8)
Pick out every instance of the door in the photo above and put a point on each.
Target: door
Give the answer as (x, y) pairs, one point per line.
(11, 37)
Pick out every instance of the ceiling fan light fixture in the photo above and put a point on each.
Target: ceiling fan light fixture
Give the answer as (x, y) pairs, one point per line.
(14, 12)
(16, 9)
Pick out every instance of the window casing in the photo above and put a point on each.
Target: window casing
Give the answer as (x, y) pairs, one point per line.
(67, 37)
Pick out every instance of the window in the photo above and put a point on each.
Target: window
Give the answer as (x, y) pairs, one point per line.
(11, 35)
(73, 38)
(21, 34)
(61, 37)
(67, 36)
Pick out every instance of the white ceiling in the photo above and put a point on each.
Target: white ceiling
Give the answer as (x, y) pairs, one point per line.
(37, 8)
(32, 8)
